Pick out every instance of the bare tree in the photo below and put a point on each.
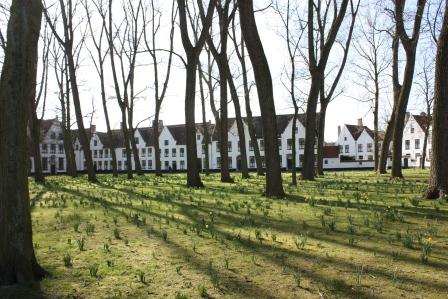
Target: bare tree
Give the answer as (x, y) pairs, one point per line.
(99, 58)
(292, 44)
(35, 121)
(374, 61)
(274, 186)
(425, 86)
(192, 52)
(205, 126)
(438, 184)
(67, 10)
(240, 53)
(317, 65)
(18, 262)
(225, 16)
(409, 44)
(151, 47)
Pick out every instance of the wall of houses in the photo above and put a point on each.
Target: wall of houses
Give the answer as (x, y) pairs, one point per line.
(360, 149)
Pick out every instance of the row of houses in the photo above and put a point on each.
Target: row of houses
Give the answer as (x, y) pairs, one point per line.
(353, 149)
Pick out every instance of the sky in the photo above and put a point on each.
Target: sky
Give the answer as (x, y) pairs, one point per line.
(345, 109)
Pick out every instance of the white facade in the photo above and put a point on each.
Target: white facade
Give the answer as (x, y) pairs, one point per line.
(413, 140)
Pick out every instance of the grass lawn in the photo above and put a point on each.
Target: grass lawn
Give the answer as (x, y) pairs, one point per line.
(347, 235)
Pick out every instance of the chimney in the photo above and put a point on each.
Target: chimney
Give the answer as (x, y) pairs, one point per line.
(406, 118)
(339, 130)
(360, 124)
(423, 114)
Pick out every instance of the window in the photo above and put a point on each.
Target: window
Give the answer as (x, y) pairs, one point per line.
(279, 144)
(167, 165)
(347, 148)
(301, 157)
(182, 152)
(150, 164)
(218, 162)
(251, 146)
(106, 165)
(136, 139)
(143, 152)
(407, 144)
(106, 153)
(53, 148)
(345, 138)
(53, 135)
(60, 148)
(150, 152)
(417, 143)
(167, 152)
(369, 147)
(182, 165)
(370, 158)
(60, 137)
(360, 148)
(217, 146)
(340, 149)
(100, 153)
(412, 130)
(198, 137)
(230, 162)
(77, 147)
(95, 154)
(100, 165)
(95, 142)
(173, 152)
(301, 143)
(360, 157)
(123, 153)
(325, 161)
(229, 146)
(44, 163)
(289, 144)
(144, 164)
(165, 142)
(252, 162)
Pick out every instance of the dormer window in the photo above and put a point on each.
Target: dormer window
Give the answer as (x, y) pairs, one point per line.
(95, 142)
(198, 137)
(165, 142)
(412, 130)
(345, 138)
(53, 135)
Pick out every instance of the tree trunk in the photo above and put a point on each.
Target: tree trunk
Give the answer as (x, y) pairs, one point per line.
(65, 124)
(294, 150)
(375, 123)
(274, 186)
(239, 124)
(17, 89)
(155, 129)
(193, 178)
(425, 141)
(135, 153)
(308, 168)
(249, 118)
(35, 143)
(321, 138)
(124, 130)
(438, 183)
(223, 129)
(204, 122)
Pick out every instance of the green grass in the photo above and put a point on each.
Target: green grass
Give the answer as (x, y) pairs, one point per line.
(347, 235)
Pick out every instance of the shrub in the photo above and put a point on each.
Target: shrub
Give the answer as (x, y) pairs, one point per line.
(67, 260)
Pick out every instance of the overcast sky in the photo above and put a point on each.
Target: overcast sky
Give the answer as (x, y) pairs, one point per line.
(344, 109)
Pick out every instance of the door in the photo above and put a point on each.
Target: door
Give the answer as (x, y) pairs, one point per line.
(53, 169)
(174, 165)
(406, 163)
(238, 163)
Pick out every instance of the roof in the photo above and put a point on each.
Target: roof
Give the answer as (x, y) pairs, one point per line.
(178, 132)
(422, 120)
(331, 151)
(356, 131)
(117, 139)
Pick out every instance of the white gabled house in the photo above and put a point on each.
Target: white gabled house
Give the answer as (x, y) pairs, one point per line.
(413, 140)
(356, 146)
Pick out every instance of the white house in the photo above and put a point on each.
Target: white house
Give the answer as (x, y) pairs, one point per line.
(356, 146)
(413, 140)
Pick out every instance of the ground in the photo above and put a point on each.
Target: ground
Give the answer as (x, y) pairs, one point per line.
(347, 235)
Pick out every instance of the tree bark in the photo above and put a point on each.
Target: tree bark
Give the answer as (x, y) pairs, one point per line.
(204, 122)
(410, 47)
(274, 186)
(18, 262)
(192, 53)
(155, 129)
(35, 143)
(294, 147)
(321, 138)
(438, 183)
